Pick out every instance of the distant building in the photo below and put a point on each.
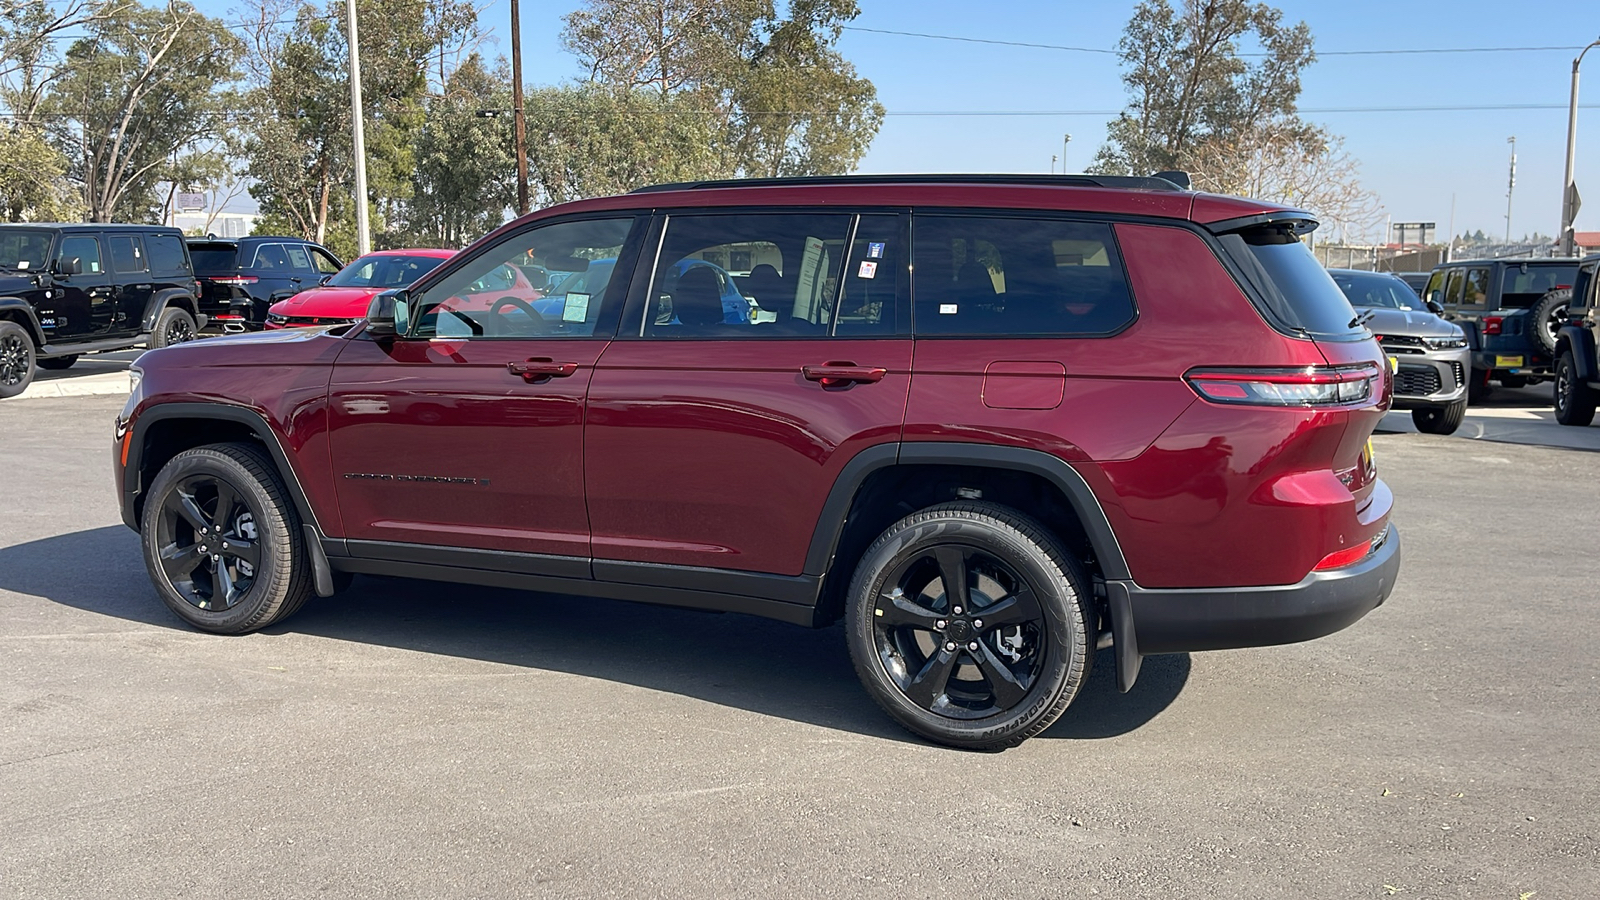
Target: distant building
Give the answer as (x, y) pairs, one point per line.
(223, 225)
(1588, 242)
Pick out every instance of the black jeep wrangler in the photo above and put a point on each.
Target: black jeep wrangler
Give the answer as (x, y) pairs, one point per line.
(1577, 371)
(67, 290)
(1510, 310)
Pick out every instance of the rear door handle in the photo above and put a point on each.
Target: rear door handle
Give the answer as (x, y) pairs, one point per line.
(536, 369)
(834, 374)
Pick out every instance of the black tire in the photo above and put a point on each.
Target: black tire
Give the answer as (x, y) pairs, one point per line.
(1575, 401)
(981, 689)
(1547, 316)
(58, 363)
(17, 358)
(173, 326)
(209, 510)
(1478, 385)
(1440, 419)
(1513, 381)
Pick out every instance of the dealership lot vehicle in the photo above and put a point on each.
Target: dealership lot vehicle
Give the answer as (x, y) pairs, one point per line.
(240, 278)
(1510, 310)
(1577, 382)
(68, 290)
(1417, 281)
(1428, 355)
(344, 298)
(1117, 383)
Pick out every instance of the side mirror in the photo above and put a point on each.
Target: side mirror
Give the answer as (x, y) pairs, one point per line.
(1435, 307)
(324, 279)
(389, 314)
(69, 265)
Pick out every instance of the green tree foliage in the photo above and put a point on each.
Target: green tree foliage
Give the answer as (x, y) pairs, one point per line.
(33, 185)
(137, 96)
(760, 93)
(465, 171)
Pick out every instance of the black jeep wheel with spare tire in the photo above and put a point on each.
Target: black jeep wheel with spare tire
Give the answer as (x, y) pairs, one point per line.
(58, 363)
(16, 359)
(971, 625)
(1547, 316)
(1440, 419)
(222, 542)
(173, 326)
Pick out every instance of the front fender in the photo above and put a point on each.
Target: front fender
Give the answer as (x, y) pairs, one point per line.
(22, 311)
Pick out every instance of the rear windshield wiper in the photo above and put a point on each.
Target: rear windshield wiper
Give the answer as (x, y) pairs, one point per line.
(1362, 318)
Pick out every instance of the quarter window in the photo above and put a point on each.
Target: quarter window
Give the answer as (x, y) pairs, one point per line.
(493, 295)
(784, 280)
(127, 254)
(167, 254)
(86, 250)
(1016, 276)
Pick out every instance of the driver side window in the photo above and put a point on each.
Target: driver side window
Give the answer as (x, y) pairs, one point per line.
(547, 282)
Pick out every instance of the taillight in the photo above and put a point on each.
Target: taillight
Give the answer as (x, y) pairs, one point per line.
(234, 280)
(1302, 386)
(1491, 324)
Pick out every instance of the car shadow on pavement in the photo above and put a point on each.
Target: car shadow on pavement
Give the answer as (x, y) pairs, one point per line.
(745, 662)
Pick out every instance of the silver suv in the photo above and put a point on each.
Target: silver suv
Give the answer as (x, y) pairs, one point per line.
(1429, 355)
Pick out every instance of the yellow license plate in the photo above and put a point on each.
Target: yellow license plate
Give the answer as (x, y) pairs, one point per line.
(1507, 362)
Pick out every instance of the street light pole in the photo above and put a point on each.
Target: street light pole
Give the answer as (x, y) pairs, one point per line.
(1065, 140)
(516, 110)
(1511, 184)
(363, 233)
(1569, 188)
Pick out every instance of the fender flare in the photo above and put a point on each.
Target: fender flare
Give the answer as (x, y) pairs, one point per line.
(171, 297)
(1581, 342)
(25, 312)
(831, 522)
(255, 421)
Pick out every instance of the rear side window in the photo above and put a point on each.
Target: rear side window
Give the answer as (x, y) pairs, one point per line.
(166, 253)
(1296, 288)
(1004, 275)
(271, 258)
(214, 257)
(127, 254)
(298, 257)
(1477, 288)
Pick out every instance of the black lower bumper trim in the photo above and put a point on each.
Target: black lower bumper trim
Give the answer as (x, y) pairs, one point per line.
(1181, 621)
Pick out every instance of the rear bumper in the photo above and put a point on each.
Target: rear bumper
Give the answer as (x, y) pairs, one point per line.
(1147, 621)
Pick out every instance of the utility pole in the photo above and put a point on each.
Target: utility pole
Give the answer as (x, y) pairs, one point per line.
(363, 234)
(1511, 185)
(516, 110)
(1065, 140)
(1569, 187)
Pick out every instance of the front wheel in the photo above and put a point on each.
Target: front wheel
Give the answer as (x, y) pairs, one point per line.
(1440, 419)
(1575, 401)
(16, 359)
(970, 625)
(222, 542)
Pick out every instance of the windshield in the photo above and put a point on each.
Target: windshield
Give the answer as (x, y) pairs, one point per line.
(24, 251)
(384, 271)
(214, 257)
(1371, 290)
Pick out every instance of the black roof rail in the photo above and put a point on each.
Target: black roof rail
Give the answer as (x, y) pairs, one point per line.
(1165, 181)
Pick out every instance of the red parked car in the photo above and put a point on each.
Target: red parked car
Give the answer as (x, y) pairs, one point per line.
(994, 423)
(344, 297)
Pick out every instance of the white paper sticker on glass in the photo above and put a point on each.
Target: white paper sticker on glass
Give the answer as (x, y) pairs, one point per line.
(576, 308)
(947, 309)
(869, 269)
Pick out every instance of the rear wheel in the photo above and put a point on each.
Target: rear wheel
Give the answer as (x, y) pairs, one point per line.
(1440, 419)
(173, 326)
(1575, 401)
(58, 363)
(970, 625)
(16, 359)
(222, 542)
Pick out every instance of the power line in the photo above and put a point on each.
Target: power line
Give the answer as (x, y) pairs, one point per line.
(1387, 52)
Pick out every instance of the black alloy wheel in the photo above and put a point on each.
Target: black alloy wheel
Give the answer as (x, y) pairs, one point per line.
(178, 330)
(960, 633)
(970, 625)
(16, 359)
(209, 548)
(1575, 401)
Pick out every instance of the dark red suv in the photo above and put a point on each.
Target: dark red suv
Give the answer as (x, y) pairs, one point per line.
(993, 423)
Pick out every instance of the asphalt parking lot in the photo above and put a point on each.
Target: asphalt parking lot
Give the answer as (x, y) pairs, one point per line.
(424, 740)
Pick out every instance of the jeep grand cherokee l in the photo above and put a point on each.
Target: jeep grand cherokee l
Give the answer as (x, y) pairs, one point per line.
(994, 424)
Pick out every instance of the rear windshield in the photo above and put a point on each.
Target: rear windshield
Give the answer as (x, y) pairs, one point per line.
(1524, 283)
(214, 257)
(1297, 289)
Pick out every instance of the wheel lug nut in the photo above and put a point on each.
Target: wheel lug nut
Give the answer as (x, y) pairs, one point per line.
(950, 645)
(973, 646)
(976, 623)
(940, 624)
(957, 610)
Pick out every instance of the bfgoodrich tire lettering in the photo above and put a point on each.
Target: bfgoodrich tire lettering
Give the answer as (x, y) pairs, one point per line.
(984, 666)
(222, 542)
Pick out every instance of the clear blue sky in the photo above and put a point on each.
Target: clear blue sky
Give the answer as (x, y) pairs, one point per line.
(1414, 161)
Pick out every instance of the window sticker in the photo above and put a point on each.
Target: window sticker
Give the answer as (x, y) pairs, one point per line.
(869, 269)
(874, 251)
(947, 309)
(576, 308)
